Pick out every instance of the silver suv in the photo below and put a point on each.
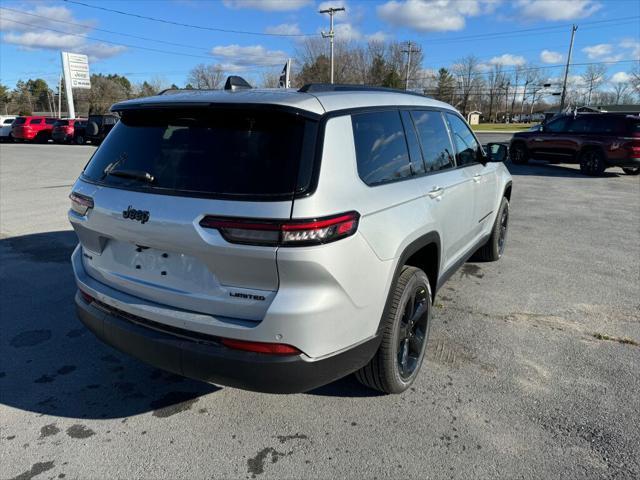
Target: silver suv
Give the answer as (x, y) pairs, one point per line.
(277, 240)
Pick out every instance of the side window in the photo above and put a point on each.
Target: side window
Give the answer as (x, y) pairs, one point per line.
(415, 153)
(36, 121)
(381, 148)
(607, 125)
(50, 121)
(467, 147)
(558, 126)
(8, 121)
(434, 139)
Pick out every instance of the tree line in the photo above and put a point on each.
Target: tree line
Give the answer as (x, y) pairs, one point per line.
(500, 92)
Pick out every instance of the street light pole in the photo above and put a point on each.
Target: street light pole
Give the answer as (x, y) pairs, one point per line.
(331, 11)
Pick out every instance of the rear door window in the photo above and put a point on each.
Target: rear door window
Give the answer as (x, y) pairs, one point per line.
(207, 152)
(558, 126)
(50, 121)
(35, 121)
(8, 121)
(608, 125)
(434, 139)
(381, 148)
(467, 147)
(20, 121)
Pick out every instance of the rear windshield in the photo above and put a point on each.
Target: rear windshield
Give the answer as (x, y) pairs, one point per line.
(634, 125)
(62, 123)
(208, 152)
(19, 121)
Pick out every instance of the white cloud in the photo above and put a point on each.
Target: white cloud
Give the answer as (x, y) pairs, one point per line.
(555, 10)
(346, 32)
(508, 59)
(602, 52)
(377, 37)
(44, 40)
(236, 57)
(620, 77)
(433, 15)
(633, 45)
(284, 29)
(548, 56)
(267, 5)
(31, 33)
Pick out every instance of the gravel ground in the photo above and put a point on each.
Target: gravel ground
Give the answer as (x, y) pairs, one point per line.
(519, 381)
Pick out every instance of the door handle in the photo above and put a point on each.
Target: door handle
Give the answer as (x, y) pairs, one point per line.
(538, 139)
(436, 192)
(477, 177)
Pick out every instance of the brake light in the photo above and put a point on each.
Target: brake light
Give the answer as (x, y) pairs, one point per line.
(80, 203)
(284, 233)
(260, 347)
(86, 297)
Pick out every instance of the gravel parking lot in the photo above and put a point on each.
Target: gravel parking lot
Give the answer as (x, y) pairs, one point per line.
(533, 367)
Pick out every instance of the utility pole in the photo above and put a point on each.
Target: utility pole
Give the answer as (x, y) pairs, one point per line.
(566, 70)
(409, 51)
(60, 96)
(331, 11)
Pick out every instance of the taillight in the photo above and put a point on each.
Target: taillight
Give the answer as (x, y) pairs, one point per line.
(260, 347)
(285, 233)
(80, 203)
(86, 297)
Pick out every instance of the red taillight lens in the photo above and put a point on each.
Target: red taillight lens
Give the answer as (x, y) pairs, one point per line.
(261, 347)
(285, 233)
(80, 203)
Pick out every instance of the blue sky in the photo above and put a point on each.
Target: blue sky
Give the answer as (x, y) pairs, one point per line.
(34, 32)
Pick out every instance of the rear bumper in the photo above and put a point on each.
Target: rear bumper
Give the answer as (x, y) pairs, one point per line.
(209, 361)
(61, 137)
(21, 135)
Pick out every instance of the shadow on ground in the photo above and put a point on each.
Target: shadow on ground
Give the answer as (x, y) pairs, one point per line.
(50, 363)
(543, 169)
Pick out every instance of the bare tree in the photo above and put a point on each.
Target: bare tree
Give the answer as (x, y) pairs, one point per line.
(270, 79)
(495, 79)
(466, 70)
(593, 77)
(620, 90)
(206, 76)
(635, 78)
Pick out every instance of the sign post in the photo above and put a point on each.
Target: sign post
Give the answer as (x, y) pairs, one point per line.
(75, 68)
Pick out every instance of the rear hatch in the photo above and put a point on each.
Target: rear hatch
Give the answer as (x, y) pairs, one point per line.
(160, 172)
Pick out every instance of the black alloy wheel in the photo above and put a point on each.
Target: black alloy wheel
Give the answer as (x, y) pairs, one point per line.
(412, 333)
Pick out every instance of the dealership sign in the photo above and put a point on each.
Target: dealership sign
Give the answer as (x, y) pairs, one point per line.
(76, 68)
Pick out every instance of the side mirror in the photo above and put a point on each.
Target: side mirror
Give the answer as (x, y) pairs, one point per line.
(92, 129)
(497, 152)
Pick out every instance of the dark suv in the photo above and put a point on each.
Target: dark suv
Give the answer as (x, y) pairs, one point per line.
(596, 141)
(103, 125)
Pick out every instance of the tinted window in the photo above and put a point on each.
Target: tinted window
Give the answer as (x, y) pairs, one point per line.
(381, 148)
(20, 121)
(434, 139)
(213, 152)
(580, 125)
(8, 120)
(35, 121)
(109, 121)
(633, 125)
(559, 125)
(467, 147)
(97, 120)
(62, 123)
(607, 124)
(50, 121)
(415, 154)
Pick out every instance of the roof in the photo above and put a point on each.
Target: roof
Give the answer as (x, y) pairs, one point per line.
(316, 102)
(612, 108)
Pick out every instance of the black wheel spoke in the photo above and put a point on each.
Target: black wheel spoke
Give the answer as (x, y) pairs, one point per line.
(416, 341)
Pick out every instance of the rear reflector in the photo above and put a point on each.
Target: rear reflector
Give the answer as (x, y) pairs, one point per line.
(80, 203)
(86, 297)
(260, 347)
(284, 233)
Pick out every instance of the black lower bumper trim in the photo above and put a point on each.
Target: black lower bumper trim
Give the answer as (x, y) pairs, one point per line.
(214, 363)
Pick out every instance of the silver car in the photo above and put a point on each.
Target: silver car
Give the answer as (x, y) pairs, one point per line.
(277, 240)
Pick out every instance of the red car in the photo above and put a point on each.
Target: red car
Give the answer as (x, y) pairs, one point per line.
(32, 128)
(63, 130)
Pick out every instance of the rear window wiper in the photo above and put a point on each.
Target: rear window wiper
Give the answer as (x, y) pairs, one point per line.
(133, 174)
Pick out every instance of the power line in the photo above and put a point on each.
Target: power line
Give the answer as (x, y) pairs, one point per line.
(138, 47)
(187, 25)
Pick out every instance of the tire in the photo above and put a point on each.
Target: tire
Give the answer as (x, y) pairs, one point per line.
(519, 154)
(397, 362)
(631, 170)
(80, 140)
(41, 138)
(592, 162)
(494, 248)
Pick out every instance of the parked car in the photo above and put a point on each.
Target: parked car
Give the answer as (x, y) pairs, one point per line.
(5, 128)
(280, 241)
(33, 128)
(63, 130)
(79, 132)
(103, 125)
(596, 141)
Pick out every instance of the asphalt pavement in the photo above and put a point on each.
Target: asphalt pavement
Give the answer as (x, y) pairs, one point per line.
(532, 371)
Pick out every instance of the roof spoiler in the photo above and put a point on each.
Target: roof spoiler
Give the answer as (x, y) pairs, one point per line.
(235, 82)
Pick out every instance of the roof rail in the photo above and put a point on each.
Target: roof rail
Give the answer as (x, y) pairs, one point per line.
(234, 82)
(345, 87)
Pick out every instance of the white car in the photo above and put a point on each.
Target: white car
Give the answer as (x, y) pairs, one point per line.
(5, 127)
